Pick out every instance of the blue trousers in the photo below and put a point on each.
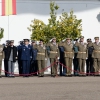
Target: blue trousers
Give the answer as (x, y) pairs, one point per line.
(26, 66)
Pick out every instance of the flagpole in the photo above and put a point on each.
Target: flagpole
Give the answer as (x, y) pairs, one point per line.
(8, 27)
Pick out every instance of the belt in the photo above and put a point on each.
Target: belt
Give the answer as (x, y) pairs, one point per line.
(81, 52)
(41, 53)
(0, 53)
(68, 52)
(96, 51)
(53, 52)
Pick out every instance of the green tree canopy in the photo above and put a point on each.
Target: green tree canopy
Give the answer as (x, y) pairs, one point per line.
(1, 33)
(66, 26)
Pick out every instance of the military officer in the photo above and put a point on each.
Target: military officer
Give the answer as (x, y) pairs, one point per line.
(19, 58)
(53, 54)
(89, 61)
(41, 57)
(75, 60)
(26, 57)
(61, 50)
(82, 55)
(68, 55)
(5, 60)
(96, 55)
(1, 57)
(34, 67)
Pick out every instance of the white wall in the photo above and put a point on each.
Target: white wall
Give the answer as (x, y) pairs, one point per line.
(28, 10)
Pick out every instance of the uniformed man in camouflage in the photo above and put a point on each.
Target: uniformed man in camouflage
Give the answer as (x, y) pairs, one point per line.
(82, 55)
(68, 55)
(41, 57)
(89, 61)
(53, 54)
(96, 55)
(1, 57)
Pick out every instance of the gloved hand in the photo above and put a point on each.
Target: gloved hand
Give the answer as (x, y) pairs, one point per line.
(45, 58)
(58, 58)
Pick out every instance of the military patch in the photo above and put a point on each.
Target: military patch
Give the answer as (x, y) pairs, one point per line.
(51, 44)
(44, 48)
(85, 45)
(1, 49)
(71, 45)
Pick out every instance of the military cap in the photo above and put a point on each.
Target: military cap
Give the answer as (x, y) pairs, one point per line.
(26, 40)
(76, 39)
(33, 41)
(11, 41)
(89, 39)
(63, 40)
(41, 40)
(54, 38)
(82, 37)
(7, 40)
(96, 38)
(68, 38)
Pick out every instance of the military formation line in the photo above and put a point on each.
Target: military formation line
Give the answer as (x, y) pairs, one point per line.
(31, 57)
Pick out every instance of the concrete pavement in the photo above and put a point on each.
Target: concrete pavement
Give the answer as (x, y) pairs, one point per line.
(48, 88)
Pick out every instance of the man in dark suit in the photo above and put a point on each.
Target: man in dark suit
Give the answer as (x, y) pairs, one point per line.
(19, 58)
(61, 50)
(89, 61)
(75, 60)
(26, 57)
(34, 67)
(11, 57)
(5, 60)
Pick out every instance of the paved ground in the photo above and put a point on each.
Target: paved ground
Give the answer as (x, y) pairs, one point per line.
(48, 88)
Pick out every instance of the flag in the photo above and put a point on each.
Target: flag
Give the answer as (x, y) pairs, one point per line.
(8, 7)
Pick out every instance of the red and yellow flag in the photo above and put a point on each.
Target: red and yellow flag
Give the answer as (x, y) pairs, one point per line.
(8, 7)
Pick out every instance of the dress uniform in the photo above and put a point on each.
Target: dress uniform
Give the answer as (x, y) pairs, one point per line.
(82, 55)
(11, 57)
(41, 57)
(34, 67)
(19, 58)
(26, 57)
(53, 54)
(68, 55)
(96, 55)
(61, 50)
(75, 60)
(5, 60)
(89, 61)
(1, 57)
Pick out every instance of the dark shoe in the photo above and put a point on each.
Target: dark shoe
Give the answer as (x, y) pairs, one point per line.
(39, 75)
(0, 76)
(42, 75)
(69, 75)
(53, 75)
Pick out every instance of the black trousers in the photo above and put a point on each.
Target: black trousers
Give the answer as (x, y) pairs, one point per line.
(33, 67)
(89, 65)
(20, 66)
(64, 68)
(6, 67)
(76, 65)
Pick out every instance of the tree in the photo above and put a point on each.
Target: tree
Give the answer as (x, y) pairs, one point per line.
(1, 33)
(66, 26)
(70, 25)
(38, 30)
